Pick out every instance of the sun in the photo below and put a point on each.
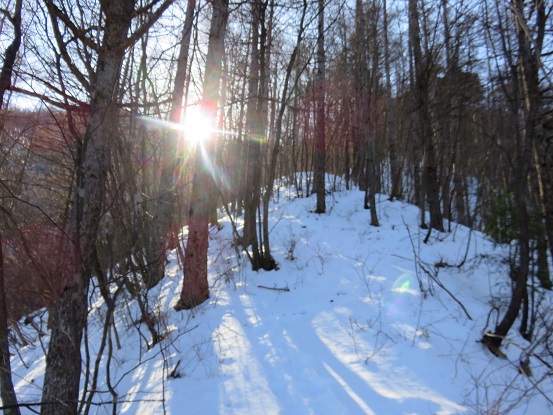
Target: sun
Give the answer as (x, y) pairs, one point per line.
(197, 126)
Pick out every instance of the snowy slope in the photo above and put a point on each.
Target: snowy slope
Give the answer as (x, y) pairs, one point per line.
(341, 328)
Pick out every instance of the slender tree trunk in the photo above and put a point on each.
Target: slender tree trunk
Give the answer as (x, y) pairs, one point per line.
(269, 263)
(519, 290)
(361, 93)
(546, 188)
(241, 153)
(525, 108)
(7, 391)
(256, 119)
(253, 146)
(424, 130)
(320, 145)
(530, 60)
(543, 273)
(365, 125)
(347, 167)
(278, 136)
(395, 171)
(10, 55)
(166, 223)
(195, 287)
(373, 182)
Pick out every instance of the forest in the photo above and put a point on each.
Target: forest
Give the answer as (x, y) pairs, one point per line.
(124, 122)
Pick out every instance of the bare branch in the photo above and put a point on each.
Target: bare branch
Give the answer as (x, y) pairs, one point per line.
(147, 25)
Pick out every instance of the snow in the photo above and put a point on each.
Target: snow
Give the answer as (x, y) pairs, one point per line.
(363, 328)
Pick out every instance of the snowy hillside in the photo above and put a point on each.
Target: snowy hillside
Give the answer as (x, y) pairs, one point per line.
(354, 322)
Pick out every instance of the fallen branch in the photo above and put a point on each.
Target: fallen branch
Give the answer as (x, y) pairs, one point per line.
(274, 288)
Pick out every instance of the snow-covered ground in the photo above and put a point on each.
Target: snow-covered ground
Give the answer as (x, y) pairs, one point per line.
(353, 322)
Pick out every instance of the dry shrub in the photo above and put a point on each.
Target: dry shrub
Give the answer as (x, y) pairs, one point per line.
(40, 262)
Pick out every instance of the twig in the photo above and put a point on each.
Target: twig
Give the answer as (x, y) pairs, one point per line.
(437, 281)
(442, 264)
(274, 288)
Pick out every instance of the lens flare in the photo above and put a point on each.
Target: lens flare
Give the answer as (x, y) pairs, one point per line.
(197, 126)
(405, 284)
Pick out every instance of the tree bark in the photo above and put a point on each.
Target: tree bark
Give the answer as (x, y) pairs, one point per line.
(195, 287)
(395, 171)
(253, 146)
(7, 391)
(269, 263)
(320, 145)
(10, 55)
(530, 51)
(68, 316)
(525, 104)
(424, 129)
(365, 125)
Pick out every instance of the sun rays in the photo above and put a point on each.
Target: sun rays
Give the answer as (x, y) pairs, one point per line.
(195, 131)
(197, 126)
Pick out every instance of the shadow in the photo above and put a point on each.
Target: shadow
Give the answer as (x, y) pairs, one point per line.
(299, 363)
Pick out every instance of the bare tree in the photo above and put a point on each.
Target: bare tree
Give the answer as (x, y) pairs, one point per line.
(538, 121)
(195, 288)
(525, 106)
(320, 125)
(278, 129)
(7, 391)
(256, 125)
(166, 223)
(395, 170)
(421, 92)
(68, 315)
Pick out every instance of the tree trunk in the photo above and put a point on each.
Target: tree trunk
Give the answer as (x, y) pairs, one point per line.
(195, 287)
(519, 283)
(347, 168)
(365, 125)
(10, 54)
(256, 119)
(253, 146)
(7, 391)
(166, 224)
(542, 272)
(373, 181)
(271, 264)
(320, 149)
(525, 104)
(530, 60)
(422, 108)
(63, 361)
(266, 40)
(395, 171)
